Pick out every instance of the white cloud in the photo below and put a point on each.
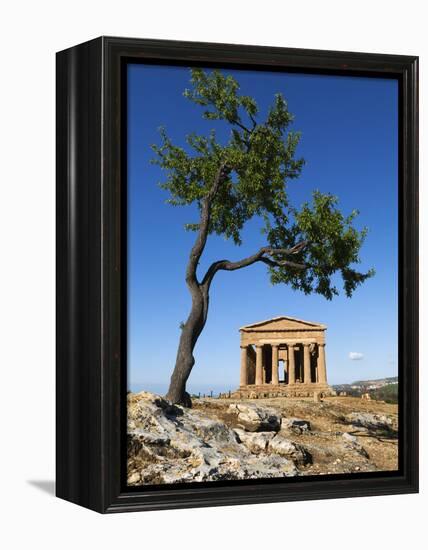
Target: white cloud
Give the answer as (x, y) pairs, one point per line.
(355, 356)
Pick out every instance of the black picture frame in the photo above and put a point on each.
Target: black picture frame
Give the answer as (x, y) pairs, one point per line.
(91, 274)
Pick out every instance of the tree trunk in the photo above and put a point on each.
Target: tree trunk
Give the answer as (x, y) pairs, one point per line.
(189, 336)
(199, 291)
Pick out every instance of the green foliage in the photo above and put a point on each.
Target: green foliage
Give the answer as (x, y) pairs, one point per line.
(388, 393)
(259, 161)
(333, 245)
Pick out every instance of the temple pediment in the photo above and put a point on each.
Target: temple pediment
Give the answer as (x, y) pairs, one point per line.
(282, 323)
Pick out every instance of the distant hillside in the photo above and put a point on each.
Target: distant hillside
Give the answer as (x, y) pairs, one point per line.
(378, 381)
(382, 389)
(387, 393)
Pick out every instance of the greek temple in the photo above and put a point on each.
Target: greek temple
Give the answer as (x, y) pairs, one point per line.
(285, 357)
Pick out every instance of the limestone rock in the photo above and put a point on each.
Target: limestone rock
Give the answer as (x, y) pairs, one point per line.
(286, 448)
(349, 438)
(254, 418)
(134, 479)
(256, 442)
(351, 443)
(296, 425)
(171, 444)
(370, 421)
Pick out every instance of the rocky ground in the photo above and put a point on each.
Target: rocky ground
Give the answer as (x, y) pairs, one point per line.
(226, 439)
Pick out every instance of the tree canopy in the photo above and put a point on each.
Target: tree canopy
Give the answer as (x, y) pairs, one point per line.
(249, 175)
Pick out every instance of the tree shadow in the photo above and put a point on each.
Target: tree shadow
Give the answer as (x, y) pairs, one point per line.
(45, 485)
(384, 436)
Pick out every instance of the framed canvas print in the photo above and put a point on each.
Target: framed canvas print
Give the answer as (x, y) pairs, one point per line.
(237, 299)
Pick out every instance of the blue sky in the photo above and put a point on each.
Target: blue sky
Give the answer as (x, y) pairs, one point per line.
(350, 144)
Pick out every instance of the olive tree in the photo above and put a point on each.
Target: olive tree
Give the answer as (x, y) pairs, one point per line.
(248, 176)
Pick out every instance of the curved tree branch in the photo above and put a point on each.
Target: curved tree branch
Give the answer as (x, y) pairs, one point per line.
(263, 255)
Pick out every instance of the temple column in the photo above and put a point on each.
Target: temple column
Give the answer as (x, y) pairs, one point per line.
(264, 373)
(291, 365)
(306, 364)
(275, 379)
(244, 362)
(259, 365)
(322, 372)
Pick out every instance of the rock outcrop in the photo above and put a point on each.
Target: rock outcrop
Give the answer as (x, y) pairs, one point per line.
(274, 443)
(293, 451)
(369, 421)
(296, 425)
(170, 444)
(351, 443)
(256, 419)
(256, 442)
